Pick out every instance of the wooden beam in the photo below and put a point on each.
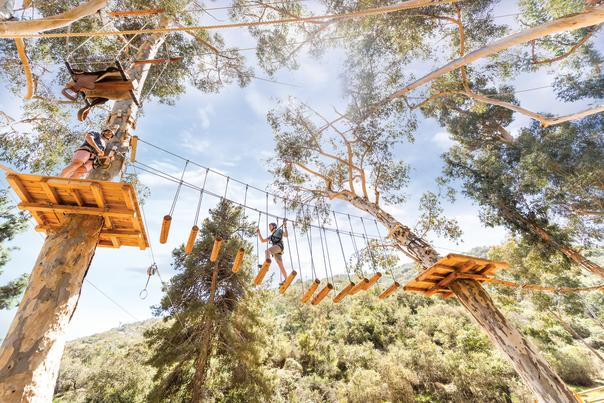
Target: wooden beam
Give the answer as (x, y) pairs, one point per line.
(19, 188)
(118, 212)
(50, 192)
(76, 196)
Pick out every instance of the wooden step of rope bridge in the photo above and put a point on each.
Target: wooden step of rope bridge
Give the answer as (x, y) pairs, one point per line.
(49, 199)
(436, 279)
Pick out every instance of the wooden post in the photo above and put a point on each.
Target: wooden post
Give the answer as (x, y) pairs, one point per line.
(238, 260)
(191, 240)
(31, 351)
(342, 294)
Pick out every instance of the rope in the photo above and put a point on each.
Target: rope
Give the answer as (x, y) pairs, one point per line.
(312, 261)
(356, 250)
(168, 177)
(328, 257)
(322, 247)
(377, 227)
(244, 213)
(196, 222)
(368, 246)
(292, 20)
(298, 255)
(284, 199)
(178, 189)
(534, 287)
(291, 258)
(258, 239)
(342, 247)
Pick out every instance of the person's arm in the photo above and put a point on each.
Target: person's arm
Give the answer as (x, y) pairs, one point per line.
(285, 227)
(263, 240)
(93, 144)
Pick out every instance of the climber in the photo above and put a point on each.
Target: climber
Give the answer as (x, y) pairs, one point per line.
(89, 155)
(277, 248)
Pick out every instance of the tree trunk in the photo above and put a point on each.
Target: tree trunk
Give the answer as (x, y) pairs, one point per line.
(592, 16)
(17, 28)
(532, 368)
(531, 226)
(31, 353)
(201, 365)
(577, 336)
(527, 361)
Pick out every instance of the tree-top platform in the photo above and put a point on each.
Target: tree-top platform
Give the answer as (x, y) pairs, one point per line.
(49, 199)
(437, 278)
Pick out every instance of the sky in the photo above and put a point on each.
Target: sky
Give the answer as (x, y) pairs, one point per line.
(229, 133)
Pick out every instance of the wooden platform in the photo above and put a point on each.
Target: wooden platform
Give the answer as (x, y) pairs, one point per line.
(49, 199)
(436, 279)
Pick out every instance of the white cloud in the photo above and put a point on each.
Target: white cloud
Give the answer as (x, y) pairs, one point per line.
(443, 140)
(193, 143)
(204, 114)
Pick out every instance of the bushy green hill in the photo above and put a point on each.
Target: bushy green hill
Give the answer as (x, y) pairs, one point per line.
(404, 349)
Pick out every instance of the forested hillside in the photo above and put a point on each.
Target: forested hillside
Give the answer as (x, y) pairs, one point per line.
(404, 349)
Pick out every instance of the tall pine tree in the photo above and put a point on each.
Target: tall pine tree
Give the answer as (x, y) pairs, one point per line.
(212, 348)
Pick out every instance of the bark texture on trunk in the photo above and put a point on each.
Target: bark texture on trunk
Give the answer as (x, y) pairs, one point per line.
(527, 361)
(532, 368)
(31, 353)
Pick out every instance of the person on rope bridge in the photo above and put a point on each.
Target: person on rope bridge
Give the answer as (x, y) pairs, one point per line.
(277, 248)
(90, 154)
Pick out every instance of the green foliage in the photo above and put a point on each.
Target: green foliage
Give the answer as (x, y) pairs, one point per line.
(213, 337)
(11, 223)
(404, 349)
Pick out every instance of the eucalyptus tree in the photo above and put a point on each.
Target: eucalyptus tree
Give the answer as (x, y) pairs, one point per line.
(31, 352)
(317, 161)
(545, 182)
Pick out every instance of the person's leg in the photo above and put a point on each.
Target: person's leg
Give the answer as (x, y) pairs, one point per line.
(84, 169)
(267, 254)
(80, 157)
(279, 258)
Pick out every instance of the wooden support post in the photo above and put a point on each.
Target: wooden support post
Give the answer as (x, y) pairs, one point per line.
(262, 272)
(322, 294)
(310, 291)
(287, 282)
(216, 249)
(165, 229)
(133, 146)
(191, 240)
(389, 290)
(238, 260)
(342, 294)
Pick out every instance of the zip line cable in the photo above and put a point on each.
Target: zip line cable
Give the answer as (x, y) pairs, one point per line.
(285, 199)
(168, 177)
(292, 20)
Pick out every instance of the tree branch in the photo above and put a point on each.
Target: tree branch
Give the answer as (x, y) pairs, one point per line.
(591, 16)
(564, 55)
